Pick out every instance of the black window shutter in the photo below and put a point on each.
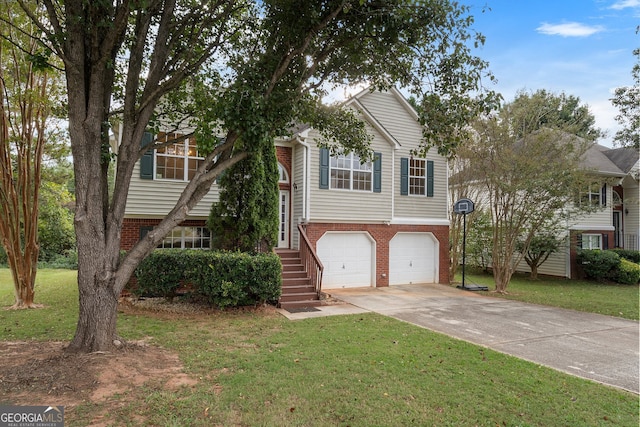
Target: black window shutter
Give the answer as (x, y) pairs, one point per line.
(429, 178)
(146, 161)
(605, 241)
(604, 195)
(324, 168)
(377, 173)
(579, 241)
(144, 230)
(404, 176)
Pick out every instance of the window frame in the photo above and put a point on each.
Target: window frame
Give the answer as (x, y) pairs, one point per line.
(414, 177)
(184, 146)
(199, 234)
(588, 238)
(366, 168)
(593, 196)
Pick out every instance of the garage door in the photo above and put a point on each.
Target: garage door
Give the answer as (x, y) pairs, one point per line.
(413, 258)
(347, 259)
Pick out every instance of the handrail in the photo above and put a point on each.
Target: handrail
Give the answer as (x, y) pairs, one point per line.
(310, 260)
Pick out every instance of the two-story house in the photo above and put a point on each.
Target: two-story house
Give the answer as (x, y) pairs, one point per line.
(615, 222)
(378, 223)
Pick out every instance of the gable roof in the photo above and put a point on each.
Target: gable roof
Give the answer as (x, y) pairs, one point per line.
(596, 159)
(624, 158)
(354, 102)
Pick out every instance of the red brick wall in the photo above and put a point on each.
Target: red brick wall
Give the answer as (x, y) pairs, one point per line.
(576, 269)
(131, 229)
(285, 157)
(382, 234)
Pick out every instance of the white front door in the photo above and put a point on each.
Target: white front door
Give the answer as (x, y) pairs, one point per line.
(283, 215)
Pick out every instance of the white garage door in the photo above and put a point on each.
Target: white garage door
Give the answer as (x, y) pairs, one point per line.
(347, 259)
(413, 258)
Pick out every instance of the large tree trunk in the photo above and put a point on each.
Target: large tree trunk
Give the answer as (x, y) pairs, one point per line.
(96, 328)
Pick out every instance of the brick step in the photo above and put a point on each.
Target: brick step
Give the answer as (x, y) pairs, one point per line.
(297, 289)
(292, 267)
(287, 254)
(295, 274)
(300, 304)
(300, 296)
(296, 281)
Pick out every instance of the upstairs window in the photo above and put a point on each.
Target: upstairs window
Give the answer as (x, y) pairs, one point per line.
(348, 173)
(595, 195)
(178, 161)
(416, 177)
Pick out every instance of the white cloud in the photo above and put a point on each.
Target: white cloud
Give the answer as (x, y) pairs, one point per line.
(570, 29)
(623, 4)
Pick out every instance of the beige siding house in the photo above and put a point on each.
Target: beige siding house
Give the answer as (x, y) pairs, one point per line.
(615, 225)
(374, 224)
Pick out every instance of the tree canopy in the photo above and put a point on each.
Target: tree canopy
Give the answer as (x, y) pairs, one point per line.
(627, 99)
(525, 167)
(241, 70)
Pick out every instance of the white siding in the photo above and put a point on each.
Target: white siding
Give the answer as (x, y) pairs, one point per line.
(351, 206)
(155, 198)
(555, 265)
(298, 192)
(599, 220)
(400, 123)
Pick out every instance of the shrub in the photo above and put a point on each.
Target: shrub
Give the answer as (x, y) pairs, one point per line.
(628, 254)
(222, 279)
(160, 274)
(627, 273)
(236, 278)
(598, 264)
(68, 260)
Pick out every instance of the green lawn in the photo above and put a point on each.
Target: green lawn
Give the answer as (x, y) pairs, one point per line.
(582, 295)
(358, 370)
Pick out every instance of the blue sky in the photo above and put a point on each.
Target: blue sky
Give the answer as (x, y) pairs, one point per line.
(580, 47)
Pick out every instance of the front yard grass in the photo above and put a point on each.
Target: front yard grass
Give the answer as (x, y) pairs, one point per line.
(611, 299)
(258, 368)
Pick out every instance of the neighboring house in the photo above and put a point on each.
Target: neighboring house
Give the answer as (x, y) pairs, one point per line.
(615, 225)
(378, 224)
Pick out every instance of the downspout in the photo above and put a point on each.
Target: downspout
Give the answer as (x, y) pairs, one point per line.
(306, 168)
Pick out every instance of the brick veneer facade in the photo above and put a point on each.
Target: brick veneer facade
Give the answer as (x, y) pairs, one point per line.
(382, 234)
(131, 229)
(577, 272)
(284, 155)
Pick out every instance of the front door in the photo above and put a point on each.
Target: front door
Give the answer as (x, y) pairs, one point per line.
(283, 215)
(617, 225)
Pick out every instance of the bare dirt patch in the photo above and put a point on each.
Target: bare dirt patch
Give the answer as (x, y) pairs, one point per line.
(41, 373)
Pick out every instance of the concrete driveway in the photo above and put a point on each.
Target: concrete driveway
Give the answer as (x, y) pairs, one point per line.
(601, 348)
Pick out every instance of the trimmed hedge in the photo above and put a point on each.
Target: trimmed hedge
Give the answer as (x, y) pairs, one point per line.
(627, 273)
(628, 254)
(608, 264)
(597, 264)
(223, 279)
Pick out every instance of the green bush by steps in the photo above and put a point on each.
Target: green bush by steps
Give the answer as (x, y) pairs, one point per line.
(627, 273)
(219, 278)
(615, 265)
